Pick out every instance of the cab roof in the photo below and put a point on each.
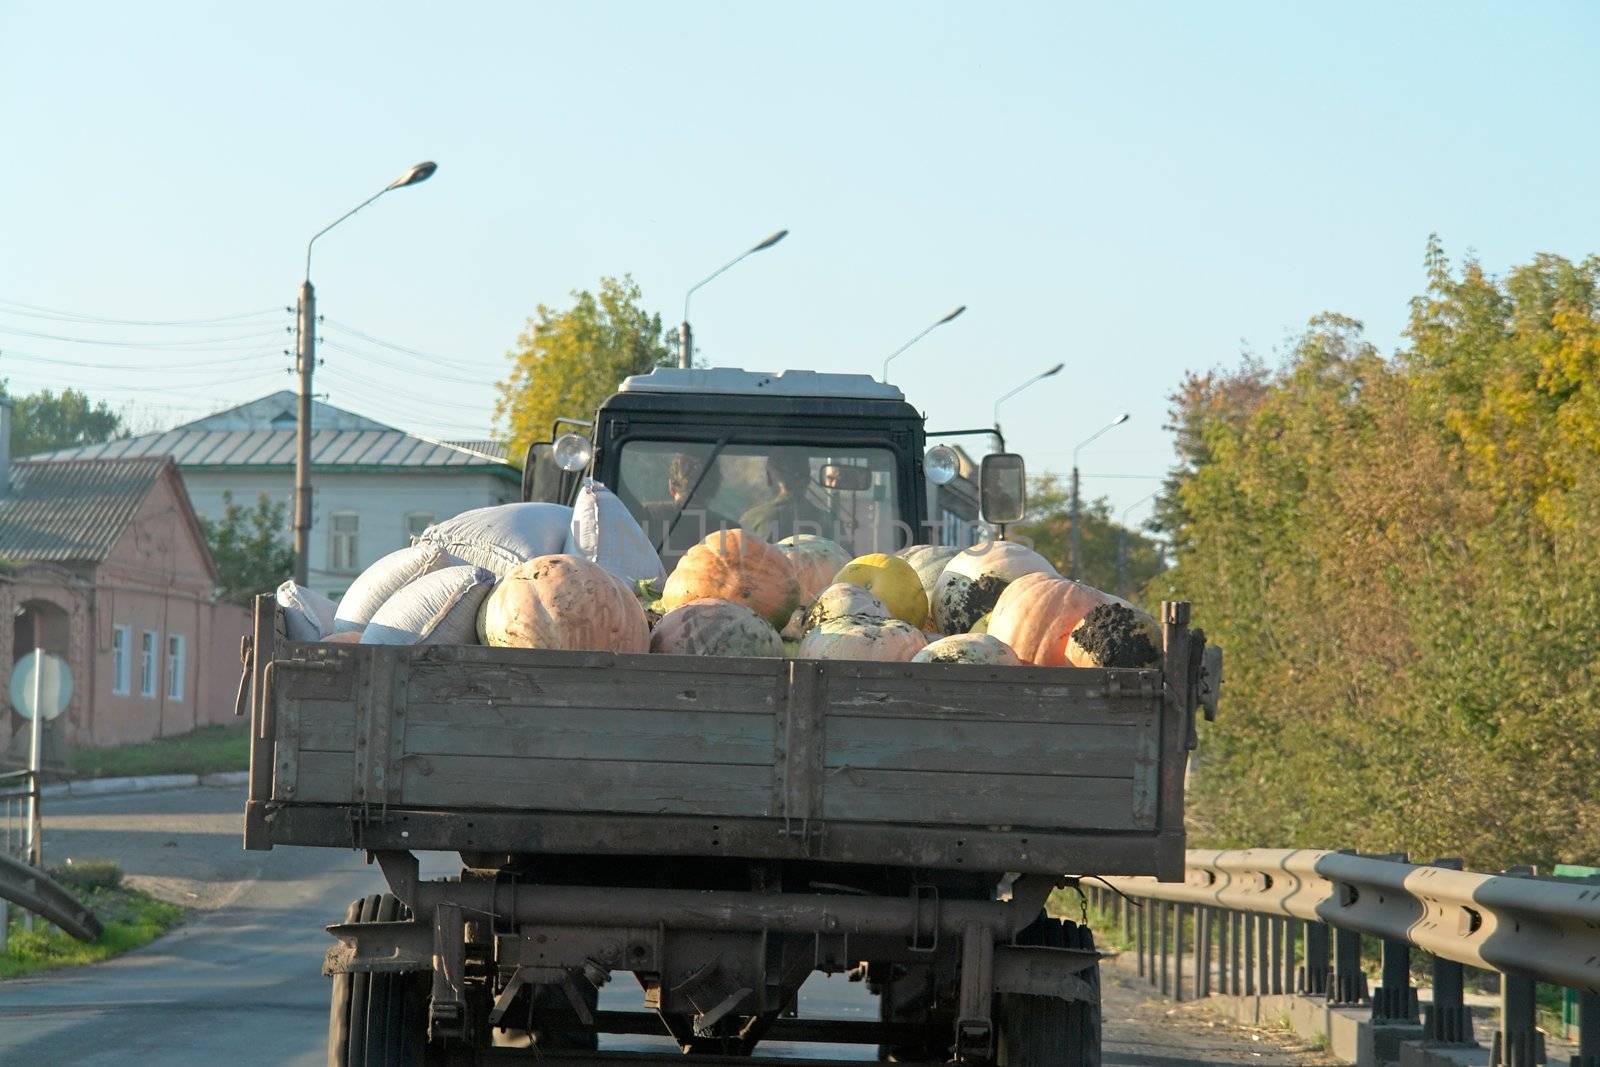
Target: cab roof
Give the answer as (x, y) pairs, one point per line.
(729, 381)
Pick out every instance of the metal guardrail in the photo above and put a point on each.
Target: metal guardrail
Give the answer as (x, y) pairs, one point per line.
(1291, 921)
(22, 879)
(44, 896)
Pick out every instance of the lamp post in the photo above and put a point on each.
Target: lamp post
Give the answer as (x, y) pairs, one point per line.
(1077, 530)
(1041, 376)
(1122, 546)
(305, 362)
(948, 318)
(685, 338)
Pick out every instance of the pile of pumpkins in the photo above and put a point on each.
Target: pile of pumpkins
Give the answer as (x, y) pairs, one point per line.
(734, 594)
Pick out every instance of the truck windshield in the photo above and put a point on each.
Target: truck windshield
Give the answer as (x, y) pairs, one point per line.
(846, 494)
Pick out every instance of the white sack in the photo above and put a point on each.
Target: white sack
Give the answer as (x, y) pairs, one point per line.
(308, 613)
(501, 537)
(440, 608)
(383, 580)
(604, 532)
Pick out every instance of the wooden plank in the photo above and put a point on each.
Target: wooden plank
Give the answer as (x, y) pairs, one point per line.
(326, 778)
(978, 747)
(327, 726)
(981, 699)
(588, 733)
(457, 657)
(1175, 713)
(586, 785)
(1011, 800)
(614, 687)
(804, 734)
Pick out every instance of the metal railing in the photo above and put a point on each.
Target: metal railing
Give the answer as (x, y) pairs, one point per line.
(18, 802)
(1276, 921)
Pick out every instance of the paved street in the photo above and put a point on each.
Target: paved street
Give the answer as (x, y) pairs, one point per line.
(240, 982)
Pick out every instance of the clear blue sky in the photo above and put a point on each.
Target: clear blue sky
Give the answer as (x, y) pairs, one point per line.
(1134, 189)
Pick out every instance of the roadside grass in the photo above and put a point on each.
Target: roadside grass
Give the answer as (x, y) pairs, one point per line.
(131, 918)
(204, 751)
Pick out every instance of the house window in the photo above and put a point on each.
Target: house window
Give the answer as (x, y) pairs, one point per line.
(416, 522)
(344, 532)
(175, 672)
(121, 647)
(147, 664)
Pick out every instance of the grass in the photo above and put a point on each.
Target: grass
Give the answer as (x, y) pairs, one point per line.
(204, 751)
(130, 918)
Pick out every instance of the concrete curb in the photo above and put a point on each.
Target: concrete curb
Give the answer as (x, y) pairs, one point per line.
(99, 787)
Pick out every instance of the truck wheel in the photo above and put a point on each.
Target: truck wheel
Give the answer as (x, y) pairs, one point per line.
(378, 1020)
(1046, 1031)
(908, 995)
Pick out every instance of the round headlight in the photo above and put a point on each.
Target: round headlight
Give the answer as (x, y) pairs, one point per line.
(572, 452)
(941, 464)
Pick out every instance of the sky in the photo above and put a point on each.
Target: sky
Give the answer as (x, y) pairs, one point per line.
(1135, 190)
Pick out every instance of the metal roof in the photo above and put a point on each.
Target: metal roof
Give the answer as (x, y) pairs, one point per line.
(72, 511)
(727, 380)
(372, 449)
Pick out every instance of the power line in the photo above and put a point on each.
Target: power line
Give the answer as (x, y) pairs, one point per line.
(433, 373)
(173, 368)
(209, 342)
(462, 365)
(38, 312)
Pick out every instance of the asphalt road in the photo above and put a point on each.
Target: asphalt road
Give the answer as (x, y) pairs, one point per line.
(240, 982)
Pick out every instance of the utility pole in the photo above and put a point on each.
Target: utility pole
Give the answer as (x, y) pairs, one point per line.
(1077, 530)
(306, 361)
(685, 345)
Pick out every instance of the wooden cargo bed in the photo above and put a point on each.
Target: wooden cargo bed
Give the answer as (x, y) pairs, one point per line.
(922, 765)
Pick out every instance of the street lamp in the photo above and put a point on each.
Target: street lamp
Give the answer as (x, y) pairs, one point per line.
(948, 318)
(1077, 531)
(306, 359)
(1041, 376)
(1122, 545)
(685, 339)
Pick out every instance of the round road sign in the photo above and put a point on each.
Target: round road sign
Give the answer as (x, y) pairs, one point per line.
(56, 690)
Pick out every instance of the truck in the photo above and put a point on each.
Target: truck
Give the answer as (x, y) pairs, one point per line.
(722, 828)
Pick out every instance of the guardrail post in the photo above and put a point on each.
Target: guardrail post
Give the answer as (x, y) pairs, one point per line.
(1291, 938)
(1518, 1042)
(1202, 953)
(1588, 1030)
(1177, 952)
(1235, 952)
(1277, 955)
(1349, 982)
(1395, 1001)
(1314, 976)
(1163, 915)
(1139, 922)
(1249, 954)
(1447, 1020)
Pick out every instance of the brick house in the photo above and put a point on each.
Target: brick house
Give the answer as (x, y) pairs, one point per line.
(103, 563)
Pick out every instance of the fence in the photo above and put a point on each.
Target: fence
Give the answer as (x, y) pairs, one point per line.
(1271, 921)
(17, 790)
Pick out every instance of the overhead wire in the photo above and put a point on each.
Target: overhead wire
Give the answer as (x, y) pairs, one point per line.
(193, 342)
(458, 364)
(36, 311)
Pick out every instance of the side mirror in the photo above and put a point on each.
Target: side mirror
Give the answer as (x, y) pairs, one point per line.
(844, 476)
(1002, 488)
(543, 480)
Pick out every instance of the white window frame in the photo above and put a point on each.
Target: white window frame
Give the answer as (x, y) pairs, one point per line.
(410, 521)
(337, 565)
(121, 659)
(177, 666)
(149, 667)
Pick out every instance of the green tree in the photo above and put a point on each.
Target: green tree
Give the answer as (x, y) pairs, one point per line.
(1049, 530)
(568, 360)
(45, 421)
(250, 547)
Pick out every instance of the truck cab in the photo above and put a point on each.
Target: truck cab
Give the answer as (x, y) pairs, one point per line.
(691, 451)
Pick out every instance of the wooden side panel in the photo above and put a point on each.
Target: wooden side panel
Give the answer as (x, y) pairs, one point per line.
(326, 778)
(975, 747)
(517, 732)
(1009, 800)
(714, 789)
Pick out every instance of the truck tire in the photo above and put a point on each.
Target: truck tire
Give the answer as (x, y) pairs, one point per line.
(378, 1020)
(1045, 1031)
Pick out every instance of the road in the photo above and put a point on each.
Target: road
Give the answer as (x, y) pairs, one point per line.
(240, 982)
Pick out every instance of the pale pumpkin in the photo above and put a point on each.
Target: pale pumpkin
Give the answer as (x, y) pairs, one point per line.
(1115, 635)
(715, 628)
(1036, 614)
(968, 648)
(929, 561)
(844, 601)
(974, 579)
(862, 639)
(893, 581)
(738, 566)
(564, 603)
(816, 560)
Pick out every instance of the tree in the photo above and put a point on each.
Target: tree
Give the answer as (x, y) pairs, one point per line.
(250, 548)
(45, 421)
(1049, 531)
(567, 361)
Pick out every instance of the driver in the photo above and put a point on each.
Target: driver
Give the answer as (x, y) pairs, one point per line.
(788, 511)
(694, 520)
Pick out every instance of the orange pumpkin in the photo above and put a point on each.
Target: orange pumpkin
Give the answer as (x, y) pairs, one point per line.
(564, 603)
(816, 560)
(1037, 613)
(738, 566)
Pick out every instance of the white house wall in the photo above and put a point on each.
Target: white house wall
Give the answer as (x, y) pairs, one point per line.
(381, 500)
